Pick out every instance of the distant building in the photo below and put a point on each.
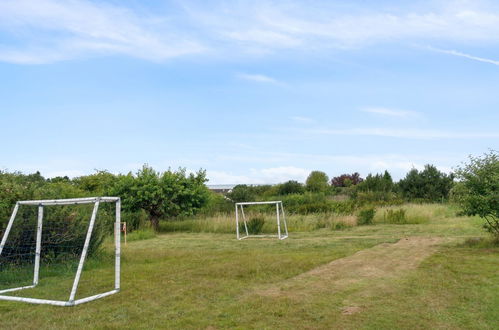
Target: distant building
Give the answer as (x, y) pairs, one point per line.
(221, 188)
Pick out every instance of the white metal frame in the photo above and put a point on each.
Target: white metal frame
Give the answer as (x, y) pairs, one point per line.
(73, 201)
(279, 212)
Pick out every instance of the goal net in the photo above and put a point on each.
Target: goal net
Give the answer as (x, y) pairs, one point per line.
(46, 246)
(251, 225)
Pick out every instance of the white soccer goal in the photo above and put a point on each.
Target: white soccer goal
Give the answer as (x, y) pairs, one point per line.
(82, 254)
(280, 217)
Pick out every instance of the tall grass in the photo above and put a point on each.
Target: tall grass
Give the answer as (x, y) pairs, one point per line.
(414, 213)
(225, 223)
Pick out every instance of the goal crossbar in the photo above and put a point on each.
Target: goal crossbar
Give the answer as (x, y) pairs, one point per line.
(282, 233)
(72, 201)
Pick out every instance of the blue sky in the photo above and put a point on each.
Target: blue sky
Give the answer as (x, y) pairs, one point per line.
(251, 91)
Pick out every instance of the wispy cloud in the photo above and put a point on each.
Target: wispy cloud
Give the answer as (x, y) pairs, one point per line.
(471, 57)
(391, 112)
(406, 133)
(52, 30)
(268, 25)
(257, 78)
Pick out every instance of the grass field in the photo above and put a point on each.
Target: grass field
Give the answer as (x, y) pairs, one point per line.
(410, 276)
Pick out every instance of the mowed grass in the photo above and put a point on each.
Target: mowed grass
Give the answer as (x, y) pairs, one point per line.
(210, 280)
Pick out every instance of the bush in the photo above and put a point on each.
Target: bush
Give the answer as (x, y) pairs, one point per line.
(242, 193)
(478, 191)
(395, 216)
(255, 226)
(366, 216)
(315, 203)
(290, 187)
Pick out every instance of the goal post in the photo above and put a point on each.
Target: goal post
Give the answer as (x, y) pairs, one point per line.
(83, 256)
(282, 226)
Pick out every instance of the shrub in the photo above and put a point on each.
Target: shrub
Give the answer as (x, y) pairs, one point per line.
(255, 226)
(290, 187)
(395, 216)
(366, 216)
(242, 193)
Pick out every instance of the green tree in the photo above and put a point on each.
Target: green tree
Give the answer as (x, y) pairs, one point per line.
(378, 182)
(98, 184)
(161, 195)
(317, 181)
(242, 193)
(290, 187)
(429, 184)
(478, 190)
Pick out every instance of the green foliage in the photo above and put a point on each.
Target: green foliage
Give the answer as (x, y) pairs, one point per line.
(427, 185)
(99, 184)
(290, 187)
(166, 194)
(255, 226)
(478, 191)
(308, 203)
(216, 203)
(317, 181)
(366, 216)
(242, 193)
(395, 216)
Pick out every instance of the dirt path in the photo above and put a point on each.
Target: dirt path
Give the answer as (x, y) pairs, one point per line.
(372, 266)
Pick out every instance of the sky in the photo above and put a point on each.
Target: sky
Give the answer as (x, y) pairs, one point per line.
(251, 91)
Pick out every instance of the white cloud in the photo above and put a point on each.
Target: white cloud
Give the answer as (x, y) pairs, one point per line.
(52, 30)
(282, 174)
(471, 57)
(221, 177)
(260, 176)
(391, 112)
(257, 78)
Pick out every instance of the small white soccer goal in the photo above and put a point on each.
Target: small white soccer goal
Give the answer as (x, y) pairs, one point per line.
(280, 217)
(81, 250)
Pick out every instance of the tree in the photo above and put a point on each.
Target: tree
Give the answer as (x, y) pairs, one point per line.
(98, 183)
(242, 193)
(166, 194)
(378, 187)
(346, 180)
(478, 190)
(379, 183)
(290, 187)
(429, 184)
(317, 181)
